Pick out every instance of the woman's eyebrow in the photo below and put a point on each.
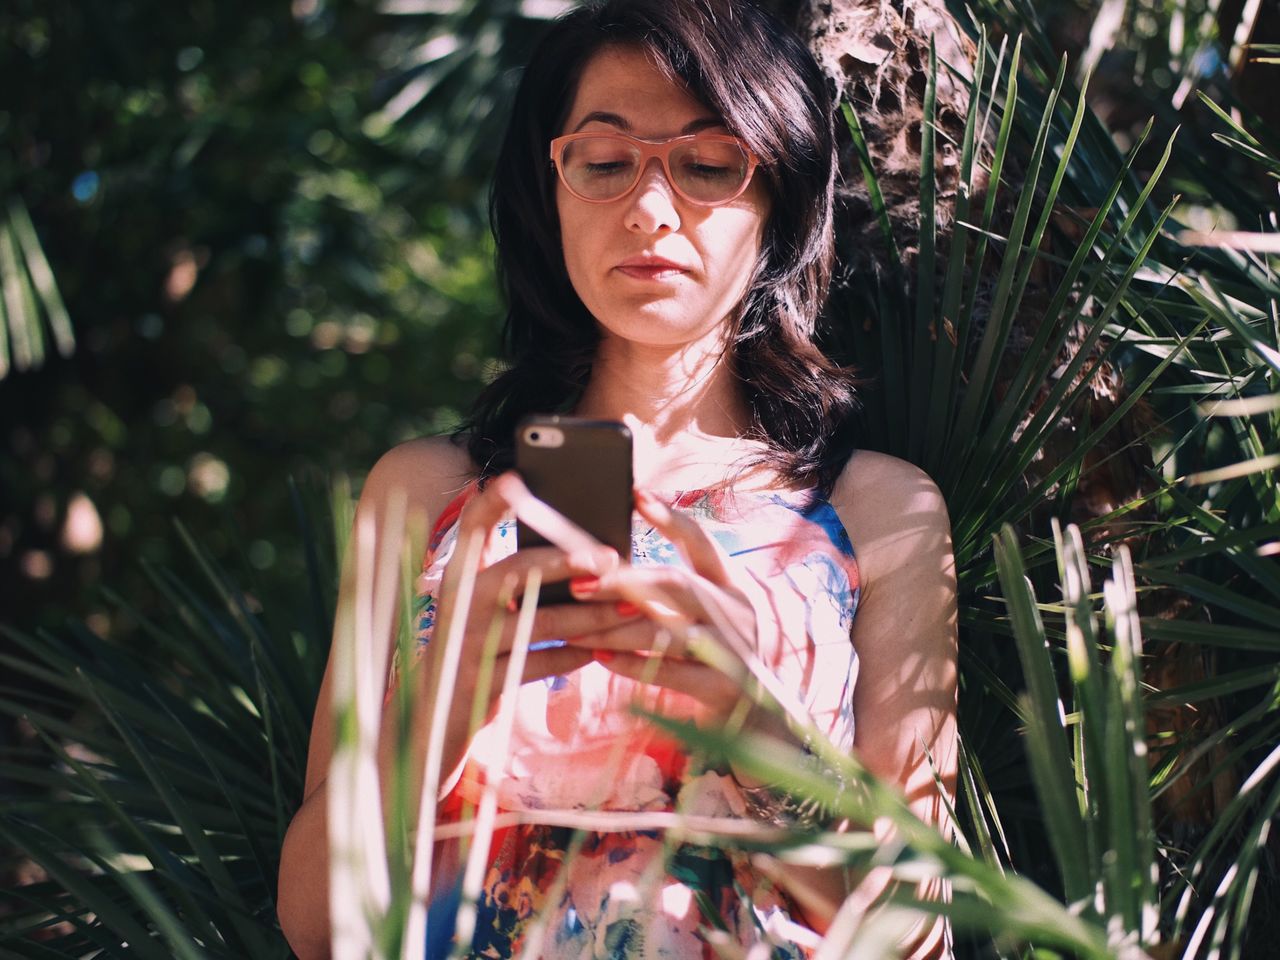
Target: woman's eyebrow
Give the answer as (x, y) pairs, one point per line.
(623, 124)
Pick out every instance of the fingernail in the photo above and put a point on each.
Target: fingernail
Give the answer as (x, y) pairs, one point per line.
(626, 608)
(511, 605)
(602, 656)
(582, 587)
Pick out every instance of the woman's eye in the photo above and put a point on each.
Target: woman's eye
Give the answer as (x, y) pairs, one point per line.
(707, 171)
(608, 167)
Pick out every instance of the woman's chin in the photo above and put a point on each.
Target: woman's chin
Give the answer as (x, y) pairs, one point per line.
(659, 325)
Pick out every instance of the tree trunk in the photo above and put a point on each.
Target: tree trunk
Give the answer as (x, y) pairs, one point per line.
(877, 51)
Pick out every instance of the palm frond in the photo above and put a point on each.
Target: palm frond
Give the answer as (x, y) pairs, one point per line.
(29, 297)
(190, 770)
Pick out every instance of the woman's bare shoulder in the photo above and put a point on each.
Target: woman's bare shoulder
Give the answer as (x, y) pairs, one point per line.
(891, 509)
(427, 471)
(873, 484)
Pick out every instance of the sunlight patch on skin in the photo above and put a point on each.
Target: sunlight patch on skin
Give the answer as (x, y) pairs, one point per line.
(624, 891)
(676, 900)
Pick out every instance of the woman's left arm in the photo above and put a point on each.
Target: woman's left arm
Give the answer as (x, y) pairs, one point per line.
(905, 630)
(904, 703)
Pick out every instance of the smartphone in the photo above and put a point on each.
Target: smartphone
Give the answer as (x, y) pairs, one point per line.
(582, 468)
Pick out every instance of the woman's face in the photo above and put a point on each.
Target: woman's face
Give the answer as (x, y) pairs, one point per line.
(713, 249)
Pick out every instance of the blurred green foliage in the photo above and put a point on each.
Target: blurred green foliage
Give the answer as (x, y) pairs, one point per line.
(259, 287)
(267, 225)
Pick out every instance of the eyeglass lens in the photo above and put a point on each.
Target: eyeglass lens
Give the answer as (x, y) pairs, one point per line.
(604, 168)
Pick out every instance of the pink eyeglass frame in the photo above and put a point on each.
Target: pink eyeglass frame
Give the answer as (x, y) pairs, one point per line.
(654, 148)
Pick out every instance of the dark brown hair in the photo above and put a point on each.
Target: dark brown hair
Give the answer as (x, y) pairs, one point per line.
(763, 82)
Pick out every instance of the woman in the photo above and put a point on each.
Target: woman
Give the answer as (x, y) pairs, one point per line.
(666, 270)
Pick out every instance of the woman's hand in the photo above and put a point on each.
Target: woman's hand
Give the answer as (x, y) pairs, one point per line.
(493, 588)
(668, 608)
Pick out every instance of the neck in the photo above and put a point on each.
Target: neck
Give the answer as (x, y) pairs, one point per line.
(674, 391)
(680, 402)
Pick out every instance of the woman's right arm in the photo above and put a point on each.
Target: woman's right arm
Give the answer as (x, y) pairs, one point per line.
(427, 473)
(430, 474)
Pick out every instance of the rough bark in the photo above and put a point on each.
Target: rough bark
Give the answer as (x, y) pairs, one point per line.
(878, 55)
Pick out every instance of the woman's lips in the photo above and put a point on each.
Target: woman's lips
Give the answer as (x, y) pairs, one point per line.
(652, 273)
(651, 270)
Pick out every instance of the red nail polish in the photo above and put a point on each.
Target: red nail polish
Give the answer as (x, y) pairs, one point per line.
(585, 586)
(626, 608)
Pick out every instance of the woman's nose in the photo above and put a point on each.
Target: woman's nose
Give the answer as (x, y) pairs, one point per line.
(653, 201)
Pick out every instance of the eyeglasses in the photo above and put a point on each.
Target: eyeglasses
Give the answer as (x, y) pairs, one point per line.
(706, 169)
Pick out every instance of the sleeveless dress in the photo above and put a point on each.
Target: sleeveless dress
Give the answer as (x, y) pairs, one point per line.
(578, 745)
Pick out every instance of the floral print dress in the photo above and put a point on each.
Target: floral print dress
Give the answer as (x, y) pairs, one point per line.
(579, 745)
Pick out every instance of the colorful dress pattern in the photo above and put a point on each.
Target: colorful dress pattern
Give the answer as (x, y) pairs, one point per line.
(578, 745)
